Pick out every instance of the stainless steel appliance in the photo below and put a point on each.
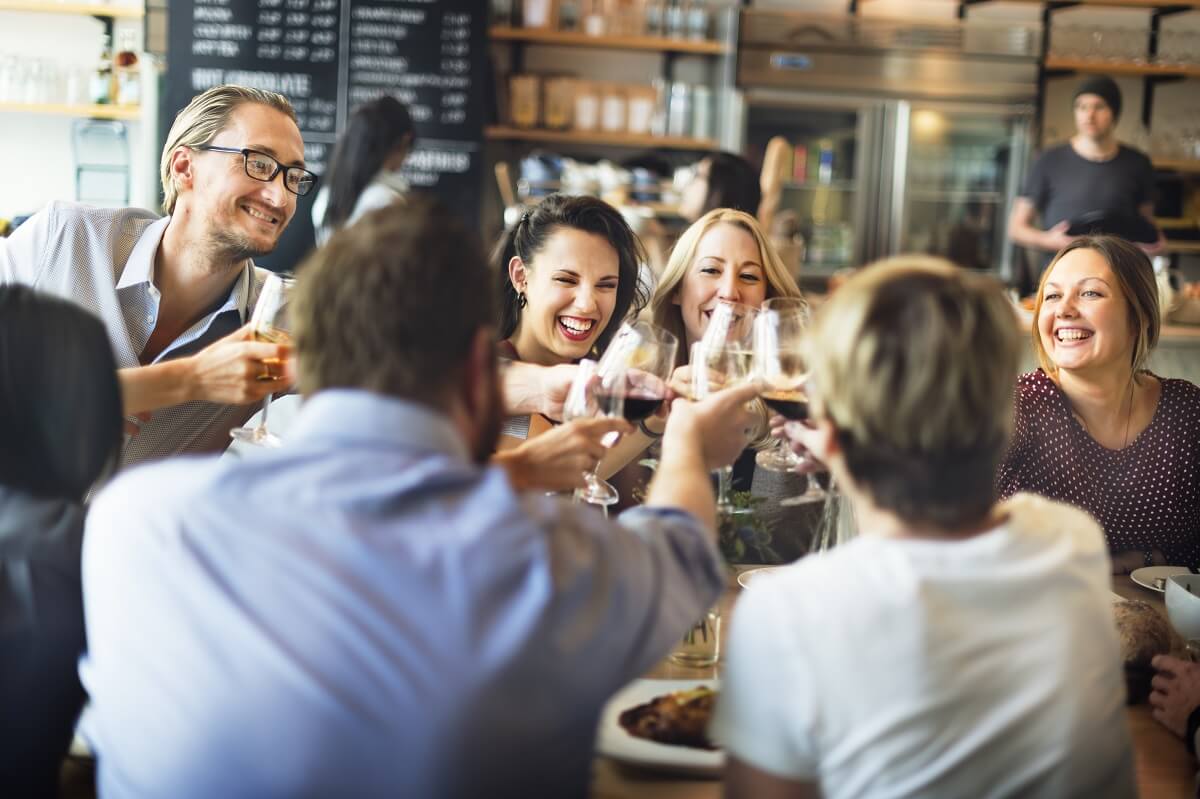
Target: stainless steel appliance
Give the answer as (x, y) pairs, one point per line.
(905, 136)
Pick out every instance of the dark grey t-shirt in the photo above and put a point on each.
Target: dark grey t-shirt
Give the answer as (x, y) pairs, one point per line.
(1063, 185)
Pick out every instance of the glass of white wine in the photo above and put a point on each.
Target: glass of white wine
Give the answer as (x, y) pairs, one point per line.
(271, 325)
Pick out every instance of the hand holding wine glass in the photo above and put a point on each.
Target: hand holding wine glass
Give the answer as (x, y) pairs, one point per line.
(271, 325)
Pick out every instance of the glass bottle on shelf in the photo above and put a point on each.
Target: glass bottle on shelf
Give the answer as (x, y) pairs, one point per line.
(100, 85)
(126, 70)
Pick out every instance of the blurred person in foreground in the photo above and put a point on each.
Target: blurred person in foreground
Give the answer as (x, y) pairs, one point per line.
(60, 424)
(957, 647)
(371, 599)
(1096, 428)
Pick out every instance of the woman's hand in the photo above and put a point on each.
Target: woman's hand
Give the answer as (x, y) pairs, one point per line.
(557, 459)
(1175, 692)
(801, 438)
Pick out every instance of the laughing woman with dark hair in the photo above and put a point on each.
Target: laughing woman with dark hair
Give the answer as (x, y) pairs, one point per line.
(60, 421)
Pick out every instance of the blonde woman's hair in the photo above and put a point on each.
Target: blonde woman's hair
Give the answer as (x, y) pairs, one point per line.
(914, 362)
(666, 314)
(203, 118)
(1135, 280)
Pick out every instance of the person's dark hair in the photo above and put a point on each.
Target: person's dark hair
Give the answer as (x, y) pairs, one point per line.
(60, 402)
(375, 130)
(392, 304)
(732, 183)
(527, 238)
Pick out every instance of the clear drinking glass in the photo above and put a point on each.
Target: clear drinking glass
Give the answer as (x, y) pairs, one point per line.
(701, 644)
(271, 325)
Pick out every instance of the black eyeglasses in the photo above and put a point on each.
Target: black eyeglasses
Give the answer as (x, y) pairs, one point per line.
(260, 166)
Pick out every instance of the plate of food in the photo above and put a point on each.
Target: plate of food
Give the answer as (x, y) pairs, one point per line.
(662, 725)
(1155, 577)
(744, 579)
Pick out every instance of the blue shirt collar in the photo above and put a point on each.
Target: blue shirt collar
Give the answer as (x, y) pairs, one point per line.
(348, 415)
(139, 270)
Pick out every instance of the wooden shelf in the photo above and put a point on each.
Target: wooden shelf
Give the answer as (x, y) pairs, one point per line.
(659, 44)
(90, 111)
(1177, 165)
(597, 138)
(86, 9)
(1120, 68)
(1186, 247)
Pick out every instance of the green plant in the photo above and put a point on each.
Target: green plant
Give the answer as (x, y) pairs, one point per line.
(742, 531)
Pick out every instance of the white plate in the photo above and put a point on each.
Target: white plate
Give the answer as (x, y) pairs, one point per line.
(745, 577)
(613, 741)
(1146, 575)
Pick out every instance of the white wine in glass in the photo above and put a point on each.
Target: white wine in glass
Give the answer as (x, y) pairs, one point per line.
(271, 326)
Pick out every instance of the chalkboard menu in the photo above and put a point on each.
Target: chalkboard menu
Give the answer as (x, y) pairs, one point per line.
(329, 56)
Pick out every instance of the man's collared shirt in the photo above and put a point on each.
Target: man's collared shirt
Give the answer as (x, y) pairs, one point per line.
(103, 260)
(366, 612)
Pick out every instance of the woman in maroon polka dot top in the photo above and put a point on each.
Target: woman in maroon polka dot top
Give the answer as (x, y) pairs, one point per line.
(1093, 427)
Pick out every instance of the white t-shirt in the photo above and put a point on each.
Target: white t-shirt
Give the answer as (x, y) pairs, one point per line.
(985, 667)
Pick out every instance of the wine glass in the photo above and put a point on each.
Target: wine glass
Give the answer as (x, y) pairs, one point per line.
(630, 380)
(781, 366)
(730, 323)
(723, 365)
(271, 325)
(584, 402)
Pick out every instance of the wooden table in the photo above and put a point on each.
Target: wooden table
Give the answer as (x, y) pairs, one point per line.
(1164, 768)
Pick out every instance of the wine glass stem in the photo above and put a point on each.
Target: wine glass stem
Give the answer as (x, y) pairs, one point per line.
(724, 484)
(261, 431)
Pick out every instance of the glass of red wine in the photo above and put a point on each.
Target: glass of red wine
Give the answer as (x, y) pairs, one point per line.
(781, 367)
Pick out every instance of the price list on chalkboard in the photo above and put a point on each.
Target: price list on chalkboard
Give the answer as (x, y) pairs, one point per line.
(329, 56)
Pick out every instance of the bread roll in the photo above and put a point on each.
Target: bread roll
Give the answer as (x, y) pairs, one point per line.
(1143, 632)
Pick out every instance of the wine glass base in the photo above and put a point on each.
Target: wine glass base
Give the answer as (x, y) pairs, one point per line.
(773, 461)
(258, 436)
(598, 493)
(812, 495)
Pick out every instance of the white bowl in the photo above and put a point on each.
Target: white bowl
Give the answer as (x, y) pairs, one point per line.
(1183, 604)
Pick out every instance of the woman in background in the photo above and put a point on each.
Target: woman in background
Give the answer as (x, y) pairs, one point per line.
(721, 180)
(60, 421)
(365, 171)
(1094, 427)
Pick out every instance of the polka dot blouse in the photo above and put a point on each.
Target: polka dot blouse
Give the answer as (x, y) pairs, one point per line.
(1145, 496)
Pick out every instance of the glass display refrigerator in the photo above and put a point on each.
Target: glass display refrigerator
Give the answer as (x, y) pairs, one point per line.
(903, 136)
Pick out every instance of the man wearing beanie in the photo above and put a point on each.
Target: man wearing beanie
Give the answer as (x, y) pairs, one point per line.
(1090, 180)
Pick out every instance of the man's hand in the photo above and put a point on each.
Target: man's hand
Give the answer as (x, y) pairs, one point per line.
(1176, 692)
(557, 459)
(1056, 237)
(556, 382)
(237, 370)
(717, 425)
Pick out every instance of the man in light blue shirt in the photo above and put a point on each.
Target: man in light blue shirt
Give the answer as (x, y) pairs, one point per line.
(372, 611)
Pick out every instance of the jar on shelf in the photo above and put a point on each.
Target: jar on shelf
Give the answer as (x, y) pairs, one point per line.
(702, 112)
(523, 97)
(587, 106)
(558, 103)
(641, 109)
(613, 109)
(679, 111)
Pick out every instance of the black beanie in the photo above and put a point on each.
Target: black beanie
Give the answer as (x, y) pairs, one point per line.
(1104, 87)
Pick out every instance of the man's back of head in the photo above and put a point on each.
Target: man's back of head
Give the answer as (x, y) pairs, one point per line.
(393, 305)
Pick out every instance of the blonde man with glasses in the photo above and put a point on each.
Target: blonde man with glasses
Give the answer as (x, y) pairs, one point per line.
(175, 292)
(958, 647)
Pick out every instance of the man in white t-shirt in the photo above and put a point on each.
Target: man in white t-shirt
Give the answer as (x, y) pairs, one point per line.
(957, 648)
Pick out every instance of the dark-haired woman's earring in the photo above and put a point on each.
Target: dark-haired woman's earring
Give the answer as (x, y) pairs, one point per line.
(521, 301)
